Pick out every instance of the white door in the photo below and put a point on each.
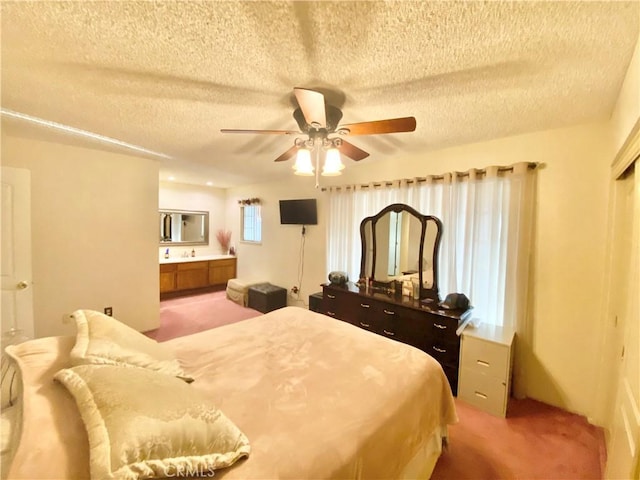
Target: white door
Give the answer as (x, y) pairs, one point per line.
(624, 448)
(17, 292)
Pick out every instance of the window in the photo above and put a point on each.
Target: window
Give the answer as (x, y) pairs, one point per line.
(485, 246)
(251, 222)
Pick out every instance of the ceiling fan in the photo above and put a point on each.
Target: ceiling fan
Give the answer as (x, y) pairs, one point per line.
(320, 122)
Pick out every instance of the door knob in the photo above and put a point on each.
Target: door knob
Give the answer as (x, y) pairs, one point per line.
(22, 285)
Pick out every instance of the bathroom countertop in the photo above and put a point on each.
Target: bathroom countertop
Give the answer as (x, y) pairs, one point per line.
(201, 258)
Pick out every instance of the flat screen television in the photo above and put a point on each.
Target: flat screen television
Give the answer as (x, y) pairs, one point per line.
(298, 212)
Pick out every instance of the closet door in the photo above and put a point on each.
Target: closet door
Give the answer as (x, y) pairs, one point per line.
(623, 448)
(17, 294)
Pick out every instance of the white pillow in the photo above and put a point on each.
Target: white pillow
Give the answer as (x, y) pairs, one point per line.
(145, 424)
(103, 340)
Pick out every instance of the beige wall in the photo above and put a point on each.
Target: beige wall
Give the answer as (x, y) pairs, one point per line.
(177, 196)
(278, 258)
(94, 232)
(569, 243)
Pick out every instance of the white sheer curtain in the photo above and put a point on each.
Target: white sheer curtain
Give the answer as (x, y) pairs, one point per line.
(487, 218)
(348, 206)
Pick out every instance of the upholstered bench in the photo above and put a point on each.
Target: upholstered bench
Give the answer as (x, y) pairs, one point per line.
(265, 297)
(238, 290)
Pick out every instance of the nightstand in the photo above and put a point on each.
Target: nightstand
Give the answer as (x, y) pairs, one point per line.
(315, 302)
(486, 358)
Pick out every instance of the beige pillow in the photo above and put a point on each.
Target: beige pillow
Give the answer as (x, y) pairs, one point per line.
(101, 339)
(144, 424)
(9, 381)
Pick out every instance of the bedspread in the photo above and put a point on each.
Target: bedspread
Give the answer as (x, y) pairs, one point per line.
(317, 398)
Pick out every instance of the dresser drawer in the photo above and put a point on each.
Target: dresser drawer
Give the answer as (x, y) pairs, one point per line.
(486, 393)
(443, 329)
(337, 304)
(366, 315)
(446, 353)
(389, 325)
(397, 323)
(331, 304)
(487, 358)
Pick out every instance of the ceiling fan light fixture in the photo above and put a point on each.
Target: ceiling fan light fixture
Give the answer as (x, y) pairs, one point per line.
(333, 165)
(318, 122)
(303, 165)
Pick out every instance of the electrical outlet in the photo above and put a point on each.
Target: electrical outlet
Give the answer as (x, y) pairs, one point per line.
(108, 311)
(294, 289)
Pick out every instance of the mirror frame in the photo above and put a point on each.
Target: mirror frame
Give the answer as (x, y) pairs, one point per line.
(425, 293)
(187, 212)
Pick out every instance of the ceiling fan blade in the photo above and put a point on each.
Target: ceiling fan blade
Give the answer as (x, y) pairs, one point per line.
(312, 106)
(288, 154)
(391, 125)
(351, 151)
(271, 132)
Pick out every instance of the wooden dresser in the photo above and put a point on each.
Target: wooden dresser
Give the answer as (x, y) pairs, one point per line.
(430, 329)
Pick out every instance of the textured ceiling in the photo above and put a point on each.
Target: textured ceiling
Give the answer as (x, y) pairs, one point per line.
(167, 76)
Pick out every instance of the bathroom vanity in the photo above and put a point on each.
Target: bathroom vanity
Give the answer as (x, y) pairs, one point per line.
(187, 275)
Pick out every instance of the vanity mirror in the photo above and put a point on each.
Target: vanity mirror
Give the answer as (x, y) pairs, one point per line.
(399, 243)
(184, 227)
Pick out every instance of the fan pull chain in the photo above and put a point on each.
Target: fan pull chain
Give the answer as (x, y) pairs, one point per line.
(317, 149)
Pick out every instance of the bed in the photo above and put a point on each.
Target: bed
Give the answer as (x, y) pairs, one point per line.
(316, 398)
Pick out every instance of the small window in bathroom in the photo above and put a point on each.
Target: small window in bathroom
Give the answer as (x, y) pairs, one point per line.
(251, 222)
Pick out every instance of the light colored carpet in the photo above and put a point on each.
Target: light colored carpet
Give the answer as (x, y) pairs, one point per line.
(535, 441)
(195, 313)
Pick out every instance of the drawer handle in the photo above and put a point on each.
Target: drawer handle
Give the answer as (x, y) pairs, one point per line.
(365, 305)
(441, 327)
(387, 332)
(482, 363)
(331, 296)
(331, 314)
(481, 395)
(365, 325)
(441, 350)
(389, 312)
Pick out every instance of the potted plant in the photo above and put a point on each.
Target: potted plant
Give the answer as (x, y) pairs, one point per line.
(224, 239)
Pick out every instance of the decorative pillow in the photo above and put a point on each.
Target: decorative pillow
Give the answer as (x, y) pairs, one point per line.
(145, 424)
(102, 339)
(8, 381)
